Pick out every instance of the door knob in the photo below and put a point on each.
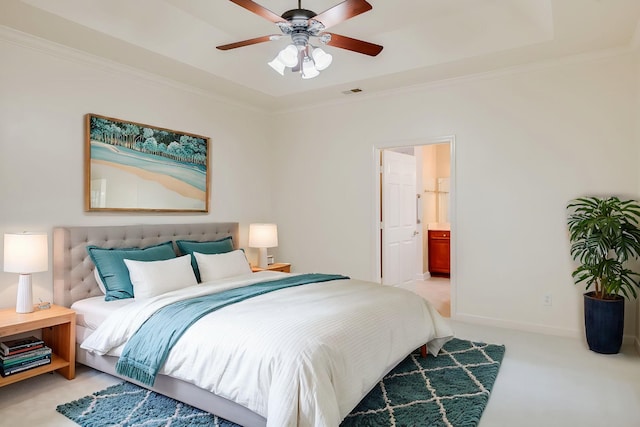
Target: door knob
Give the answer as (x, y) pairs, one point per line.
(415, 233)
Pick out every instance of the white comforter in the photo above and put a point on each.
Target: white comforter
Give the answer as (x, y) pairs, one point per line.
(301, 356)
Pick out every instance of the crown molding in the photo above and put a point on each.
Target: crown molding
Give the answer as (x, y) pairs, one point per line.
(29, 41)
(588, 57)
(60, 51)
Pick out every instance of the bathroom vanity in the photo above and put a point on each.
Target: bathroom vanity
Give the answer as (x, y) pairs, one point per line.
(439, 252)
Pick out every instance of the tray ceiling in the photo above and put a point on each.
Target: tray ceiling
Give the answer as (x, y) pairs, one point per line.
(424, 40)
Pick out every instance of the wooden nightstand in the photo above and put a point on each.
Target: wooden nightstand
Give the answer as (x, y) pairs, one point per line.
(285, 267)
(58, 326)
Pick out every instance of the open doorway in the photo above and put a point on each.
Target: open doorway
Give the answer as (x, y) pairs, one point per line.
(415, 211)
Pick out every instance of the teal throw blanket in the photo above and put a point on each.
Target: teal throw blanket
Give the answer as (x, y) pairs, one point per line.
(148, 348)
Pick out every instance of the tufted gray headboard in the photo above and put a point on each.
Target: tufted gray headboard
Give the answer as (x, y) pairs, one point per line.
(73, 277)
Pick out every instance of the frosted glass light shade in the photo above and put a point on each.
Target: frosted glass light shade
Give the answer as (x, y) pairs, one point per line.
(263, 235)
(321, 59)
(277, 65)
(309, 70)
(26, 253)
(289, 56)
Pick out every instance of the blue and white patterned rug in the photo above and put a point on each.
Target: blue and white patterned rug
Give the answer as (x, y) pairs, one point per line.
(450, 390)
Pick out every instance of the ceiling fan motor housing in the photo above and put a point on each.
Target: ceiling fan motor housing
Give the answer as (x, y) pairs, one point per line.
(300, 26)
(300, 38)
(298, 15)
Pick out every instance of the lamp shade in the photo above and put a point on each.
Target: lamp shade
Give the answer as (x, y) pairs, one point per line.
(263, 235)
(26, 253)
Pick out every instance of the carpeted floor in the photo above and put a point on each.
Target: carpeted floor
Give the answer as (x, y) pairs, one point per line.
(449, 390)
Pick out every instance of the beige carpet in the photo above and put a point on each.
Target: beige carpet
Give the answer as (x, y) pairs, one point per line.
(544, 381)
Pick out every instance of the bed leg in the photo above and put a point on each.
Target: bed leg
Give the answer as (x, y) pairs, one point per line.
(423, 351)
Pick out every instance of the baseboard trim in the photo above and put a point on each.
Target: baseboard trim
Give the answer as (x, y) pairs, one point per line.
(535, 328)
(519, 326)
(423, 276)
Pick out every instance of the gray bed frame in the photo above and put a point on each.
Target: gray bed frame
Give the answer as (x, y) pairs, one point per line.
(73, 280)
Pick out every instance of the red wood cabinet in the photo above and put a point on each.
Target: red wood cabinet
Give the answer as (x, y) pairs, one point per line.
(439, 252)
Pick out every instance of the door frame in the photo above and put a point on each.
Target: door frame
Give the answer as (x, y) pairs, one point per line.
(377, 208)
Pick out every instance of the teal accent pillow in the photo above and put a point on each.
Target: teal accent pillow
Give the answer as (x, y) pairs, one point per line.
(188, 247)
(114, 272)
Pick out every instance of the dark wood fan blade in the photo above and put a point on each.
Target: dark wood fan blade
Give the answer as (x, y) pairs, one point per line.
(249, 42)
(342, 11)
(354, 45)
(258, 10)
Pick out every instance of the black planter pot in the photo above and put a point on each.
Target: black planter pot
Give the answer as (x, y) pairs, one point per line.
(604, 323)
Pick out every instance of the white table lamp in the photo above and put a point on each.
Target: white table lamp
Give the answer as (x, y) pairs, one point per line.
(25, 253)
(263, 236)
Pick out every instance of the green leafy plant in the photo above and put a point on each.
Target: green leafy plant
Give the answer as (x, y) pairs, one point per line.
(605, 236)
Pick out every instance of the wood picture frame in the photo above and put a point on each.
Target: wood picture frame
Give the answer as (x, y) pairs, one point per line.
(136, 167)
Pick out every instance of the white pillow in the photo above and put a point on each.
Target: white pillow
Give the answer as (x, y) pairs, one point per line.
(151, 278)
(221, 266)
(99, 280)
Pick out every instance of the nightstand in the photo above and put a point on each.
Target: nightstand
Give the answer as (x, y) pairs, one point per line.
(284, 267)
(58, 327)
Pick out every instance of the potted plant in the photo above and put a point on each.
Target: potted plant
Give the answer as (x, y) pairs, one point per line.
(605, 238)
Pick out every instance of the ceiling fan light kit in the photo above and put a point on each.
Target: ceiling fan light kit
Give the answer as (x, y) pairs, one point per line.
(289, 57)
(302, 24)
(321, 59)
(309, 69)
(278, 66)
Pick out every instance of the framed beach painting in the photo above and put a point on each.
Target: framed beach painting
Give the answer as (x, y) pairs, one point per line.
(136, 167)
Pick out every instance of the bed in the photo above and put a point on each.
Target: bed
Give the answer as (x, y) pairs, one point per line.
(383, 335)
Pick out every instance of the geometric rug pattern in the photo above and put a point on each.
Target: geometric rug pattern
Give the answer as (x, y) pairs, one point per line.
(450, 390)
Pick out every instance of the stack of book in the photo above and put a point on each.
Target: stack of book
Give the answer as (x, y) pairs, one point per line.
(23, 354)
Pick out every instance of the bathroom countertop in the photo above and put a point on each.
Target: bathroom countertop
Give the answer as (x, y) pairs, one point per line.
(441, 226)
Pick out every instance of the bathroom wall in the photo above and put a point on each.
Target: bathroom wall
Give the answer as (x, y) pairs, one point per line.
(436, 165)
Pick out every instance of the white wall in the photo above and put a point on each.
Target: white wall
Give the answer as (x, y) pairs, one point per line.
(526, 143)
(44, 95)
(637, 110)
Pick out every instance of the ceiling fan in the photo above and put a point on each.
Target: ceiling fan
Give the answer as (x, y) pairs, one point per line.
(301, 25)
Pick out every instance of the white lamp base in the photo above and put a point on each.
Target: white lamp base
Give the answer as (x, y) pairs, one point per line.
(24, 302)
(262, 257)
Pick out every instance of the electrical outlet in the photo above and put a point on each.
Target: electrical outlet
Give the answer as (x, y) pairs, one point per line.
(547, 299)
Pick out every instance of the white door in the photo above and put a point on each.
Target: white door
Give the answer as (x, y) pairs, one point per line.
(398, 218)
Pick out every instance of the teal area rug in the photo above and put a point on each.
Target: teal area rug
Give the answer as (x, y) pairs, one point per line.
(449, 390)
